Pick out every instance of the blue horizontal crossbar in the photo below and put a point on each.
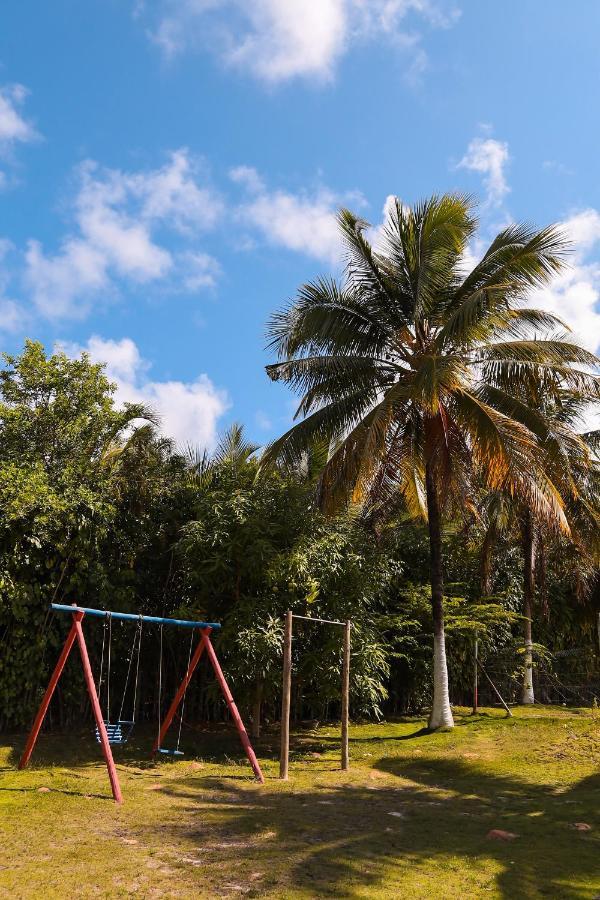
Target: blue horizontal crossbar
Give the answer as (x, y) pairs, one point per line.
(131, 617)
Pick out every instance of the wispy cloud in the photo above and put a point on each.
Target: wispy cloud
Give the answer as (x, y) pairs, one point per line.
(278, 40)
(116, 219)
(13, 316)
(573, 295)
(304, 222)
(555, 167)
(14, 127)
(489, 158)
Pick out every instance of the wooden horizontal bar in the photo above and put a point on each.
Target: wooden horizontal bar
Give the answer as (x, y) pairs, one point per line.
(131, 617)
(313, 619)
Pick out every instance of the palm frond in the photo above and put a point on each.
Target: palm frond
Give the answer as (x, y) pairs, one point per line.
(326, 318)
(518, 259)
(321, 377)
(424, 245)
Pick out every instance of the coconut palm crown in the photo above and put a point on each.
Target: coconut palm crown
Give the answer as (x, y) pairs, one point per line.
(414, 371)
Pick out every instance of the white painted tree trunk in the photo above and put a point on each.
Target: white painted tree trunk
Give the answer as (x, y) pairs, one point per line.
(441, 713)
(527, 696)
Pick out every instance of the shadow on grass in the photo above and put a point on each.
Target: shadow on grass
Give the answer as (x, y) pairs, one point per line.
(81, 749)
(427, 829)
(303, 739)
(210, 744)
(417, 827)
(34, 790)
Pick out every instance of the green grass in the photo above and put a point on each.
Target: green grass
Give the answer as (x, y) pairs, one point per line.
(409, 820)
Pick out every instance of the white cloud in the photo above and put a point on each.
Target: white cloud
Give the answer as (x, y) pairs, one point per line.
(583, 229)
(488, 157)
(188, 411)
(199, 270)
(13, 317)
(574, 295)
(249, 178)
(277, 40)
(172, 195)
(123, 360)
(301, 222)
(375, 233)
(293, 38)
(14, 128)
(116, 215)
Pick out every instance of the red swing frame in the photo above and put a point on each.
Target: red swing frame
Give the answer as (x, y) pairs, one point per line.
(76, 634)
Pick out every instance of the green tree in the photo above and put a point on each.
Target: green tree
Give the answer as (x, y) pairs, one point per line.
(59, 433)
(411, 370)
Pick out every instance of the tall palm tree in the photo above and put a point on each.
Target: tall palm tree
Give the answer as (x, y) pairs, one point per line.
(411, 369)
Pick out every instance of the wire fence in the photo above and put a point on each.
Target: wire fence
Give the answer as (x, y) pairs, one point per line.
(558, 682)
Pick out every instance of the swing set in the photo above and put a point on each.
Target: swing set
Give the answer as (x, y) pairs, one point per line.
(118, 731)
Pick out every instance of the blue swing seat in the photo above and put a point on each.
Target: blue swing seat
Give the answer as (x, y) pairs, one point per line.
(168, 752)
(117, 732)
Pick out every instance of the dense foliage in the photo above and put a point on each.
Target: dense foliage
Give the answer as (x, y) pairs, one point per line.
(97, 509)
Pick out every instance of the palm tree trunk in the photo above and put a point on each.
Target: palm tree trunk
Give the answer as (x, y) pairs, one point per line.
(529, 550)
(486, 561)
(441, 714)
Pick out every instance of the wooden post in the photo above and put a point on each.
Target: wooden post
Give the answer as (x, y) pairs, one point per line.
(475, 677)
(284, 756)
(345, 696)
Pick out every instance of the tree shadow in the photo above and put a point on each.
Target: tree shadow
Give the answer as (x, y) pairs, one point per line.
(54, 790)
(306, 740)
(432, 821)
(80, 748)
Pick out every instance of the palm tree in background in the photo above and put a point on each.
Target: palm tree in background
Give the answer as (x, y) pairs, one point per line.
(574, 469)
(413, 372)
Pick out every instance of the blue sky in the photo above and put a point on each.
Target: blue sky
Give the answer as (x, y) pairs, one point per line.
(170, 169)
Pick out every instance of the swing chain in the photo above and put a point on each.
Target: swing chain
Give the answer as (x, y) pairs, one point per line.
(108, 667)
(186, 687)
(160, 664)
(137, 637)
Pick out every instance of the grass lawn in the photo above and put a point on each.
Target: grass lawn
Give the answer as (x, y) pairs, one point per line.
(410, 819)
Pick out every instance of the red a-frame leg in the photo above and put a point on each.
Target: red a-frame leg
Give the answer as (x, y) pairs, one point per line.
(75, 634)
(205, 644)
(210, 651)
(178, 697)
(41, 713)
